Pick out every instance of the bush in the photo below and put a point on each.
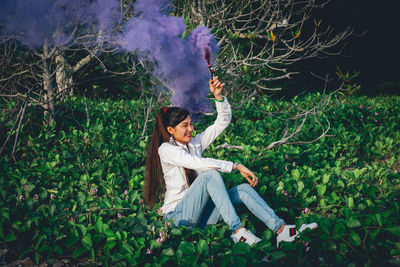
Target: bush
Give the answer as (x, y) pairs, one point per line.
(76, 190)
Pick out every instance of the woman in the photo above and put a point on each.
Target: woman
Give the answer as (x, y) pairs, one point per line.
(195, 194)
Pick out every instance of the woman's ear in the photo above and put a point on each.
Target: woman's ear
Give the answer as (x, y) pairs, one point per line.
(170, 130)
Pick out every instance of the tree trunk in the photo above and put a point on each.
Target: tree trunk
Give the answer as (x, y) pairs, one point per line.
(64, 74)
(63, 77)
(49, 103)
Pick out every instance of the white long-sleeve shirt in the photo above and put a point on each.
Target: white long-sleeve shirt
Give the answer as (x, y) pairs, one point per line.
(174, 158)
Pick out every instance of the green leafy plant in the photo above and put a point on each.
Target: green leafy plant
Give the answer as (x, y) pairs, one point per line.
(76, 190)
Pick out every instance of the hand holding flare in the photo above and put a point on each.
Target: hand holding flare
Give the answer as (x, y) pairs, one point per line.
(216, 88)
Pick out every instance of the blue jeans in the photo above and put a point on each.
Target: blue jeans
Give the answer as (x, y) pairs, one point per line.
(207, 202)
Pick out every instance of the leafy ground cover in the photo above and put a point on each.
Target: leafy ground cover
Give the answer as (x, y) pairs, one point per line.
(76, 191)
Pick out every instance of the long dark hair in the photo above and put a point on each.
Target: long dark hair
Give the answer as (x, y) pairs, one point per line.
(153, 178)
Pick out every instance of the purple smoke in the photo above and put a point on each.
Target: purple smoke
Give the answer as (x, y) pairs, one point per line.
(32, 22)
(179, 62)
(202, 40)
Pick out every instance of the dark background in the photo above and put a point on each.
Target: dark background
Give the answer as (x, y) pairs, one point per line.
(375, 53)
(373, 50)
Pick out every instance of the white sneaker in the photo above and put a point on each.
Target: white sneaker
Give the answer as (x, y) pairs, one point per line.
(244, 235)
(289, 232)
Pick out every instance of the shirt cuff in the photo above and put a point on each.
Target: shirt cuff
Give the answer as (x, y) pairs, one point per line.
(223, 99)
(221, 105)
(228, 167)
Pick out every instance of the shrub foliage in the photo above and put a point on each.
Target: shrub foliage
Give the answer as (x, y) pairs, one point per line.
(76, 190)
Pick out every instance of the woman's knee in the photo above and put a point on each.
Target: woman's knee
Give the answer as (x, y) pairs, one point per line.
(212, 173)
(245, 188)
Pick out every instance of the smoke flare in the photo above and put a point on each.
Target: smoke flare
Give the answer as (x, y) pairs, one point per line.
(180, 63)
(202, 39)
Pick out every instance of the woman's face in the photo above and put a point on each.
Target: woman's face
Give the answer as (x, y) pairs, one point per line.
(183, 131)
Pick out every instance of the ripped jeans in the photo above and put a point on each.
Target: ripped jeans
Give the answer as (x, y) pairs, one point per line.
(207, 202)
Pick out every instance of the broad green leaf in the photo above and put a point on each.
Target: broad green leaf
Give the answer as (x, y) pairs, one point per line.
(280, 187)
(354, 239)
(240, 261)
(202, 247)
(374, 233)
(11, 237)
(325, 178)
(278, 255)
(186, 247)
(91, 254)
(83, 229)
(350, 202)
(45, 248)
(109, 233)
(118, 235)
(58, 249)
(74, 206)
(339, 231)
(379, 219)
(17, 225)
(127, 248)
(296, 174)
(262, 190)
(87, 241)
(352, 222)
(133, 196)
(154, 244)
(394, 230)
(76, 253)
(109, 244)
(321, 190)
(300, 185)
(347, 212)
(5, 213)
(268, 234)
(241, 248)
(124, 235)
(106, 202)
(99, 225)
(176, 231)
(72, 238)
(52, 209)
(168, 252)
(81, 219)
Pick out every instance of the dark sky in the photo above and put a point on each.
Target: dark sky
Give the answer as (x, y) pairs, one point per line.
(375, 54)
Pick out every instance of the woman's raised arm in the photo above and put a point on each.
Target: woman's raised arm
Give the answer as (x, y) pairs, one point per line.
(223, 118)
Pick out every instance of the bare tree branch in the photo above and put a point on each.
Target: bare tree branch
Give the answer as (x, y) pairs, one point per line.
(228, 146)
(261, 38)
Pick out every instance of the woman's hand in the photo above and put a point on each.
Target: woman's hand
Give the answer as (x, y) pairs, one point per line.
(246, 173)
(216, 88)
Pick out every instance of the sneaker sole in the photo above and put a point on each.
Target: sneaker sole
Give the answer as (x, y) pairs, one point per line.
(310, 226)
